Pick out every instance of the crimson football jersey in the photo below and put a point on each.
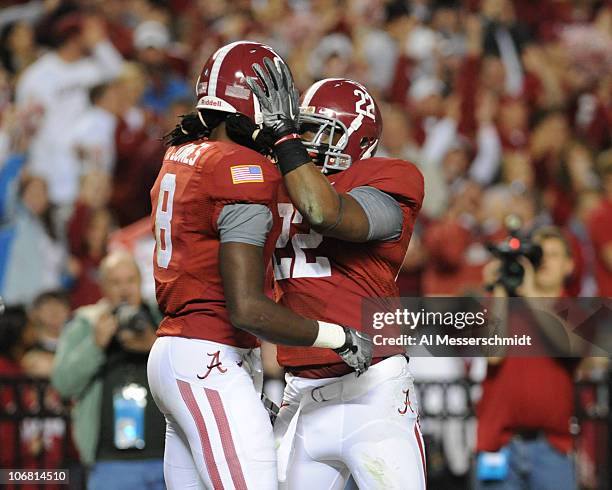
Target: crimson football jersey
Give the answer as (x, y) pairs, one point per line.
(328, 279)
(196, 181)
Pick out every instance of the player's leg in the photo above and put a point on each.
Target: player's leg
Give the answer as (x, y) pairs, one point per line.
(227, 427)
(303, 471)
(386, 461)
(180, 470)
(382, 443)
(243, 426)
(223, 421)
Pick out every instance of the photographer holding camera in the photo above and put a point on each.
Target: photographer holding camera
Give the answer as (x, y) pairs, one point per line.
(524, 439)
(101, 363)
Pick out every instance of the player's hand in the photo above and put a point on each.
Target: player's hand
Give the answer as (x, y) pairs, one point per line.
(278, 99)
(357, 350)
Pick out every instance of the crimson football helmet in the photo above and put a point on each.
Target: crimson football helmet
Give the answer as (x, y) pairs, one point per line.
(222, 86)
(344, 121)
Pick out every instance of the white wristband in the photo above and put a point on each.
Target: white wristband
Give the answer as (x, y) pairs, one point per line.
(331, 336)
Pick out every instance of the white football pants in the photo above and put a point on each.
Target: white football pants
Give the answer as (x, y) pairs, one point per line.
(364, 426)
(218, 433)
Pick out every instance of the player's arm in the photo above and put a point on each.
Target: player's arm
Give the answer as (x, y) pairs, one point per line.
(363, 214)
(243, 230)
(327, 211)
(342, 216)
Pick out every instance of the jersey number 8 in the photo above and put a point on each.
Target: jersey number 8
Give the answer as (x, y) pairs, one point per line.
(163, 220)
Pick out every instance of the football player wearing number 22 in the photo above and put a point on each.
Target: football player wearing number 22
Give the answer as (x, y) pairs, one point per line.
(216, 223)
(347, 218)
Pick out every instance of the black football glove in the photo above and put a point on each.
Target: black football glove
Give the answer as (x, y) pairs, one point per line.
(278, 99)
(357, 350)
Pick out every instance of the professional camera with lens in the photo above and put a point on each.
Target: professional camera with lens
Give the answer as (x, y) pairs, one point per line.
(134, 318)
(508, 252)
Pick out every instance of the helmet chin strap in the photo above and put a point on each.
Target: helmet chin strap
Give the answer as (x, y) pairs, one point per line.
(202, 119)
(371, 150)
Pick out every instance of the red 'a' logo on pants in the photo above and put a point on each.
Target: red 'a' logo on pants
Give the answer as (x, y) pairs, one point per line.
(215, 363)
(407, 404)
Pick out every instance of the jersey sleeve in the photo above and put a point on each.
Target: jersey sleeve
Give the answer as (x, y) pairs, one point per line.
(239, 175)
(384, 213)
(244, 223)
(399, 178)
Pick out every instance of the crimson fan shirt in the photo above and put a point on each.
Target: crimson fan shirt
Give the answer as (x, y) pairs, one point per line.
(600, 228)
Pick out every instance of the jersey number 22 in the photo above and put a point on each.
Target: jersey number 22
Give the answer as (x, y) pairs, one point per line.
(299, 242)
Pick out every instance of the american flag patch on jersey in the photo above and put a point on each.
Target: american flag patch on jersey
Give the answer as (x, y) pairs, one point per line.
(241, 174)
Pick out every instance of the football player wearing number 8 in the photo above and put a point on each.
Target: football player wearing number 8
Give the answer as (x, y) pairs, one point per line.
(347, 221)
(216, 225)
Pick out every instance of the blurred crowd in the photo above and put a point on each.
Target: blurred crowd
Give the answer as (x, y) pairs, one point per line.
(505, 105)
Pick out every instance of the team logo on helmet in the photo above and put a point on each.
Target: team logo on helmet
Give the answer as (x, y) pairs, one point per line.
(340, 123)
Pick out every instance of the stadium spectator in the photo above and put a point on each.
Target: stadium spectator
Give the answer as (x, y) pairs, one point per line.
(132, 84)
(152, 40)
(526, 424)
(600, 227)
(58, 82)
(139, 160)
(18, 47)
(92, 136)
(101, 362)
(41, 441)
(16, 337)
(87, 232)
(90, 227)
(33, 257)
(456, 245)
(94, 194)
(49, 313)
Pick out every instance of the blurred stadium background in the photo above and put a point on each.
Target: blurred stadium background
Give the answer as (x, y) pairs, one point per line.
(503, 104)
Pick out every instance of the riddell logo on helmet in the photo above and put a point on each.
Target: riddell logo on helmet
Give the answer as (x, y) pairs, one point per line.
(209, 102)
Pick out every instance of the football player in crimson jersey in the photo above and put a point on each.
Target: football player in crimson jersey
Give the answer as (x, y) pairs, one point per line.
(215, 223)
(347, 218)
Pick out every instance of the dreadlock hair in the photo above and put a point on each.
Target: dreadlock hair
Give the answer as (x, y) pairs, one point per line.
(240, 129)
(194, 126)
